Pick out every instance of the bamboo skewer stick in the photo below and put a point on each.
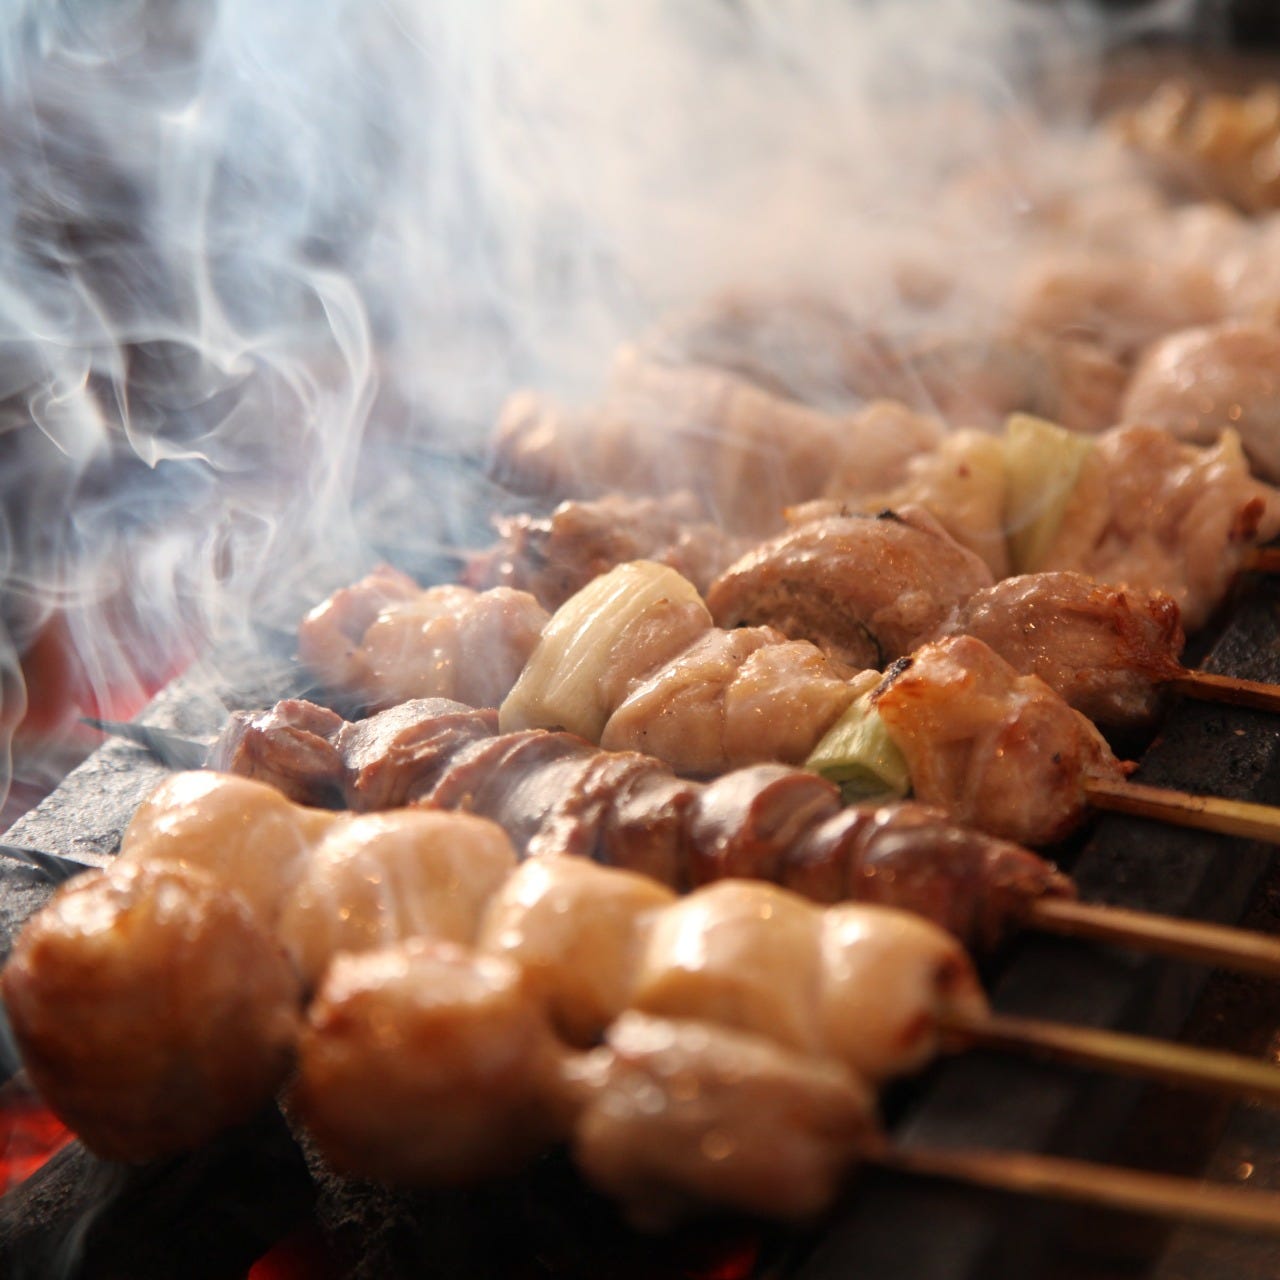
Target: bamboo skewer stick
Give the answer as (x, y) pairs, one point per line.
(1231, 690)
(1186, 1066)
(1206, 813)
(1211, 944)
(1261, 560)
(1081, 1182)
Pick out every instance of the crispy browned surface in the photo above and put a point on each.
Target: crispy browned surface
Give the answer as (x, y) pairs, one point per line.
(1105, 651)
(994, 749)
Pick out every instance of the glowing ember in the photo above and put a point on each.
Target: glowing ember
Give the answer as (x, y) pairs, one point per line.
(29, 1134)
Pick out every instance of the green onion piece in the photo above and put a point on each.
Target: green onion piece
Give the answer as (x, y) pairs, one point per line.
(858, 755)
(1042, 466)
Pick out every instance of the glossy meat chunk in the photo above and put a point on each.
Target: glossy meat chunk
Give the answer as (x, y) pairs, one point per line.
(677, 1114)
(151, 1008)
(426, 1063)
(732, 698)
(1198, 383)
(1106, 651)
(377, 879)
(1153, 513)
(994, 749)
(864, 589)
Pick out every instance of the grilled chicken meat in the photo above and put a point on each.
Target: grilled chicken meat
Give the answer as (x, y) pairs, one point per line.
(385, 640)
(1105, 651)
(555, 556)
(1153, 513)
(866, 590)
(989, 746)
(152, 1008)
(1198, 383)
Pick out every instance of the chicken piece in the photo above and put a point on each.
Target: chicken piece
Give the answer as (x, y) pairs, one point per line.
(1153, 514)
(556, 556)
(151, 1009)
(1118, 301)
(733, 698)
(995, 750)
(679, 1114)
(886, 977)
(243, 833)
(330, 636)
(426, 1063)
(864, 985)
(738, 953)
(391, 758)
(962, 485)
(554, 793)
(291, 747)
(1221, 144)
(380, 878)
(446, 641)
(576, 930)
(1105, 651)
(1198, 383)
(911, 857)
(865, 590)
(746, 453)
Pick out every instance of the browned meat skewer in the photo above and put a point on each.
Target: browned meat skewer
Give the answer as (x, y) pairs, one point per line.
(554, 556)
(556, 793)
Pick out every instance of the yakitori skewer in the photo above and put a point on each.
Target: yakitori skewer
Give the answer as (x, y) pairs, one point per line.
(441, 1043)
(768, 822)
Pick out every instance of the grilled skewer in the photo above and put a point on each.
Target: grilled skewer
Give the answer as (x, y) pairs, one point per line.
(429, 1059)
(768, 822)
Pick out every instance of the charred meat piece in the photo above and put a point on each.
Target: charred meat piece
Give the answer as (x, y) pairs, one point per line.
(317, 758)
(994, 749)
(865, 589)
(772, 823)
(554, 556)
(1106, 651)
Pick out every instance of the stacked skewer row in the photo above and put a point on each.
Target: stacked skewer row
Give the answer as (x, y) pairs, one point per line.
(661, 698)
(450, 1011)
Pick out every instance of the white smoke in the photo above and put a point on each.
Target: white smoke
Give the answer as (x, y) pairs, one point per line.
(262, 263)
